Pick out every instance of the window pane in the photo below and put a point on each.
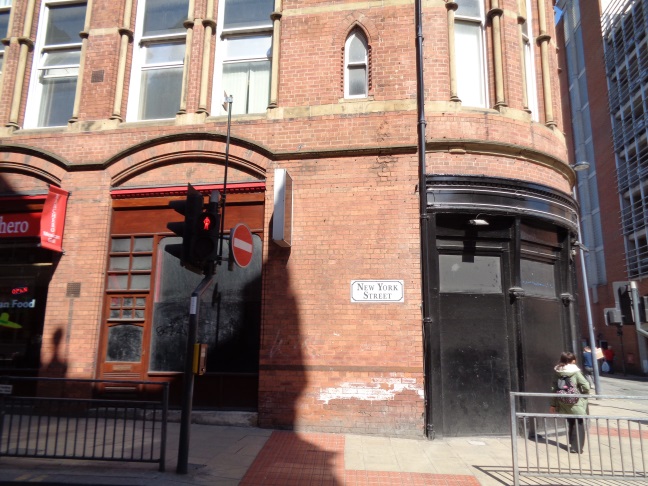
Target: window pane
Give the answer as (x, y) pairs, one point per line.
(538, 278)
(124, 343)
(470, 72)
(164, 53)
(470, 274)
(118, 263)
(357, 81)
(143, 244)
(115, 302)
(62, 58)
(165, 17)
(117, 282)
(468, 8)
(248, 47)
(357, 50)
(142, 262)
(249, 84)
(65, 23)
(140, 302)
(4, 24)
(247, 13)
(160, 93)
(140, 282)
(120, 245)
(114, 314)
(57, 101)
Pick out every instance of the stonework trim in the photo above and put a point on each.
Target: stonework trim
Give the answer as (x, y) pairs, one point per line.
(502, 149)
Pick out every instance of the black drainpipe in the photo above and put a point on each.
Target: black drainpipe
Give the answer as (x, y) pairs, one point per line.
(424, 217)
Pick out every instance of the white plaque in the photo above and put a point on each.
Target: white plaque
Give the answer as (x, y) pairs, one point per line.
(377, 291)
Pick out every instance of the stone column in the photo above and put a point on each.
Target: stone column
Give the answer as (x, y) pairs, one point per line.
(276, 39)
(451, 7)
(26, 44)
(495, 14)
(126, 38)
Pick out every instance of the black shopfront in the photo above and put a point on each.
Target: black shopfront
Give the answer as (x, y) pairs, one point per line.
(501, 294)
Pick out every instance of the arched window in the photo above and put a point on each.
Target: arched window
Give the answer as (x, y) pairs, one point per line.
(356, 66)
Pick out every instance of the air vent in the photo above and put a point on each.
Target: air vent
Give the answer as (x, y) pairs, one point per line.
(73, 289)
(97, 76)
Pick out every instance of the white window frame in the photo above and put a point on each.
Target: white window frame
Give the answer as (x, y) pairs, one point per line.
(5, 9)
(35, 94)
(529, 64)
(139, 66)
(348, 65)
(223, 36)
(466, 76)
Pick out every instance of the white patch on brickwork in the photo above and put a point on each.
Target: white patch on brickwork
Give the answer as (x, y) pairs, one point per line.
(380, 389)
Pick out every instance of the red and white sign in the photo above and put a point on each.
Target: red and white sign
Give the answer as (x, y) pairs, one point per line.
(241, 244)
(53, 219)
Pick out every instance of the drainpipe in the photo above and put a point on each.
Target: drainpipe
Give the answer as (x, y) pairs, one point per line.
(424, 217)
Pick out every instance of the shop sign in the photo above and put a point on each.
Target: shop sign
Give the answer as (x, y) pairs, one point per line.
(377, 291)
(19, 225)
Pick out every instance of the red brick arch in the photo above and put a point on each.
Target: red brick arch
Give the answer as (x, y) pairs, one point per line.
(243, 156)
(27, 161)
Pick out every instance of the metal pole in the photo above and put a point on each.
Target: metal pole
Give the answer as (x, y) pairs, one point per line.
(229, 100)
(580, 166)
(187, 397)
(588, 308)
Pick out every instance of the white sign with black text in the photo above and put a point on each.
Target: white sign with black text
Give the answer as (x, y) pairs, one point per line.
(377, 291)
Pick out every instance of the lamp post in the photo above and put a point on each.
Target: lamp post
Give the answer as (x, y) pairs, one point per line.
(581, 166)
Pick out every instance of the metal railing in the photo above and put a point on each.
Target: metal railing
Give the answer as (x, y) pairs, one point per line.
(63, 421)
(614, 447)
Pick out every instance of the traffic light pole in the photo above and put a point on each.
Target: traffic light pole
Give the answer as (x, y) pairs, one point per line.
(187, 397)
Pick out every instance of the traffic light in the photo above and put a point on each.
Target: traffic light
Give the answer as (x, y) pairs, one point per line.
(623, 301)
(205, 246)
(191, 208)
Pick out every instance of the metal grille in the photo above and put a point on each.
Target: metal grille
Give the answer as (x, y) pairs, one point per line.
(625, 32)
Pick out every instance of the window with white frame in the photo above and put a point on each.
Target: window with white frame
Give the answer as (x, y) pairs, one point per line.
(5, 10)
(529, 65)
(244, 55)
(57, 55)
(356, 66)
(470, 53)
(158, 60)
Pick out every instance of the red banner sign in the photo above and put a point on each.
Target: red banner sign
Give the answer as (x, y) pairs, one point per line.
(53, 219)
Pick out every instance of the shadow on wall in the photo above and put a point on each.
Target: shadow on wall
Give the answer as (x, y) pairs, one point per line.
(282, 381)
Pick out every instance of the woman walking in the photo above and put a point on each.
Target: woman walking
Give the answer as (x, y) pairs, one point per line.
(566, 368)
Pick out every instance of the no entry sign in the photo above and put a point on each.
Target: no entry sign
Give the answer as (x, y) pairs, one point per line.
(241, 245)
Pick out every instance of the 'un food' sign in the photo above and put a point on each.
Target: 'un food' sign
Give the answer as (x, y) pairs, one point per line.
(377, 291)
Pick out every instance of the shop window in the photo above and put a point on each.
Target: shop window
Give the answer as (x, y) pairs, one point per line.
(356, 66)
(230, 313)
(470, 53)
(243, 55)
(5, 10)
(57, 56)
(158, 59)
(468, 273)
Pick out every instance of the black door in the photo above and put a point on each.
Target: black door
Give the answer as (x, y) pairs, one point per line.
(474, 356)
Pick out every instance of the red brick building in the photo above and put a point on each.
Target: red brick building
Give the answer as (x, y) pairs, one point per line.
(388, 312)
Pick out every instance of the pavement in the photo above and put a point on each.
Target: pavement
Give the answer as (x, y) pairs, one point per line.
(249, 456)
